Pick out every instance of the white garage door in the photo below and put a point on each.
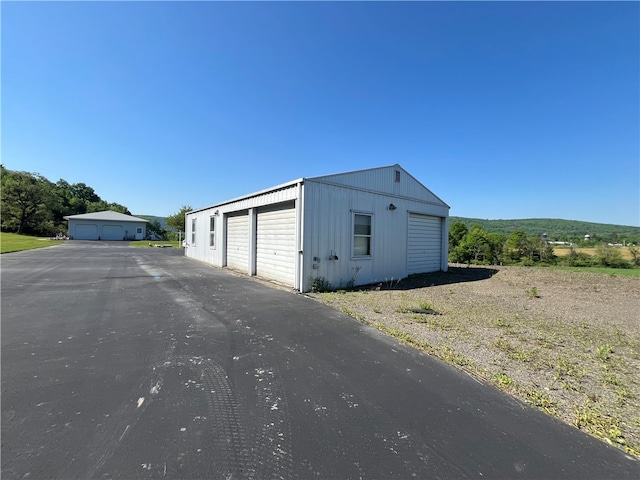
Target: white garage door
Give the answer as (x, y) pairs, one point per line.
(276, 243)
(425, 244)
(86, 232)
(112, 232)
(238, 241)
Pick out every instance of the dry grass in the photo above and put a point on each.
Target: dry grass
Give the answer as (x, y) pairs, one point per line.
(592, 251)
(566, 342)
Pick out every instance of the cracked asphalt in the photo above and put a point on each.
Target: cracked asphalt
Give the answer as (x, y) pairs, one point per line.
(140, 363)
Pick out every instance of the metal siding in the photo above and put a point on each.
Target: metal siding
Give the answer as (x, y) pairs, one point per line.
(112, 232)
(238, 241)
(276, 243)
(328, 231)
(424, 244)
(382, 180)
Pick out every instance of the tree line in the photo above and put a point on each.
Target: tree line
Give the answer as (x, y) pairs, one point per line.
(33, 205)
(572, 231)
(476, 245)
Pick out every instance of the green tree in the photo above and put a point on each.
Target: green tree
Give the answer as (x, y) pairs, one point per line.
(154, 227)
(82, 191)
(541, 251)
(516, 246)
(26, 201)
(477, 246)
(457, 231)
(608, 256)
(496, 244)
(176, 221)
(103, 205)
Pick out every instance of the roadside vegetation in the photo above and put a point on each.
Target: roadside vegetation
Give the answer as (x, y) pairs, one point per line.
(477, 246)
(569, 231)
(565, 342)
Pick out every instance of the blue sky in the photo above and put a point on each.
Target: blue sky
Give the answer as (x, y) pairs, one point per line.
(504, 110)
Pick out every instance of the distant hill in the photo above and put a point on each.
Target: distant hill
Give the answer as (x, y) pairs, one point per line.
(555, 228)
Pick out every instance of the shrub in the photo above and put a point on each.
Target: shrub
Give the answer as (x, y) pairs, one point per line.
(320, 285)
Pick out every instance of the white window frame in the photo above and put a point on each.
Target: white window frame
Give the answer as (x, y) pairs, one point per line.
(193, 232)
(212, 232)
(355, 235)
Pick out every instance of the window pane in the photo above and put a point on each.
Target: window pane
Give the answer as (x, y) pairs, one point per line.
(212, 230)
(362, 225)
(361, 246)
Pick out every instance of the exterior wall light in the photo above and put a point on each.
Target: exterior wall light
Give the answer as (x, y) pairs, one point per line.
(392, 206)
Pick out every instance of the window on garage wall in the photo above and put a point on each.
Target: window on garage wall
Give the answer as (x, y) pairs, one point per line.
(193, 232)
(212, 232)
(362, 234)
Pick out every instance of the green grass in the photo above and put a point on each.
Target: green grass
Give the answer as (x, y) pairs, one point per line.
(12, 242)
(628, 272)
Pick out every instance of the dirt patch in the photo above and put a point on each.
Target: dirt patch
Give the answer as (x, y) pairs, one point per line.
(566, 342)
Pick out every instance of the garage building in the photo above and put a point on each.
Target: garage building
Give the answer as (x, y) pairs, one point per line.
(349, 229)
(107, 225)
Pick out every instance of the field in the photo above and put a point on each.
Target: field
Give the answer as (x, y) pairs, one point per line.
(12, 242)
(566, 342)
(592, 251)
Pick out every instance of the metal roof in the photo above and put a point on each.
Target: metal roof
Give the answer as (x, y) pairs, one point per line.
(333, 178)
(108, 215)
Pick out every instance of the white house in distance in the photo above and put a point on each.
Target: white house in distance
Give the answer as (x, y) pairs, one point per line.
(106, 225)
(352, 228)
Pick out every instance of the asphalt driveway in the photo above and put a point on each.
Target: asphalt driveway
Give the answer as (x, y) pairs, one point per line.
(140, 363)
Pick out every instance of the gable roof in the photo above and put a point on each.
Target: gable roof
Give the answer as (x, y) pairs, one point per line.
(108, 215)
(371, 179)
(383, 180)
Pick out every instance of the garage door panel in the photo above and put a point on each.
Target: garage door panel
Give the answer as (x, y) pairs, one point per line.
(424, 244)
(238, 241)
(112, 232)
(86, 232)
(276, 243)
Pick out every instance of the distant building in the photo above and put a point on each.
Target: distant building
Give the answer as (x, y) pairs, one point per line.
(106, 225)
(587, 237)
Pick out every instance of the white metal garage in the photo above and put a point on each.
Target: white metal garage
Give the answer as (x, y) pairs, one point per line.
(424, 244)
(238, 240)
(311, 229)
(276, 243)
